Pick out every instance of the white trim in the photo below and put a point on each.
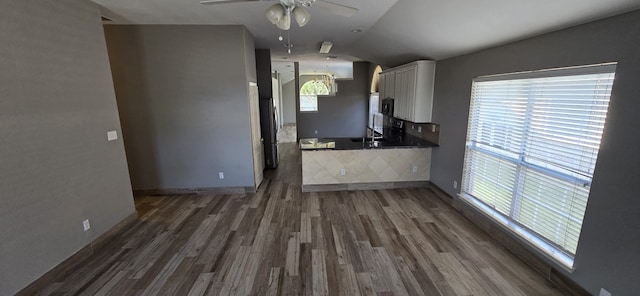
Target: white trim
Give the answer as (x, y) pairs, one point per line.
(553, 72)
(523, 235)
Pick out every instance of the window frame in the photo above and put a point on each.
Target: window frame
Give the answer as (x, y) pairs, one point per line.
(506, 221)
(316, 96)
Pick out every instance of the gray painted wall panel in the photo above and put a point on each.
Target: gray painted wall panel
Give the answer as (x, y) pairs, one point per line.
(289, 102)
(56, 105)
(343, 115)
(182, 94)
(607, 254)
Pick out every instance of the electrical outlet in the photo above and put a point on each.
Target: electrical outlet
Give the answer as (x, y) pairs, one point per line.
(419, 129)
(413, 126)
(415, 169)
(221, 175)
(343, 172)
(315, 132)
(604, 292)
(86, 225)
(433, 128)
(112, 135)
(455, 184)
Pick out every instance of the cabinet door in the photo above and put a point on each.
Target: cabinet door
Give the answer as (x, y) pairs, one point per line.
(390, 85)
(408, 105)
(401, 92)
(398, 103)
(381, 89)
(399, 95)
(410, 91)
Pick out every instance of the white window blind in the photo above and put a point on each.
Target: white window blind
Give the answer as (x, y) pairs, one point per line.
(532, 144)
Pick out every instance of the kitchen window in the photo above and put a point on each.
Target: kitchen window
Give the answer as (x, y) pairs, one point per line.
(309, 95)
(532, 143)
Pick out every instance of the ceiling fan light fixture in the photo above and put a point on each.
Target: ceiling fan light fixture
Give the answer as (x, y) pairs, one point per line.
(302, 15)
(284, 23)
(275, 13)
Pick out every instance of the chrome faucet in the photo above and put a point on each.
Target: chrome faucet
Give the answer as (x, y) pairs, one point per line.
(373, 130)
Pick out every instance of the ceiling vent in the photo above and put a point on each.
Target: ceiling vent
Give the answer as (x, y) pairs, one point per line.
(326, 47)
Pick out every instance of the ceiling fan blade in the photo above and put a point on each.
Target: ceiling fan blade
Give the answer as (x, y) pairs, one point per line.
(226, 1)
(339, 9)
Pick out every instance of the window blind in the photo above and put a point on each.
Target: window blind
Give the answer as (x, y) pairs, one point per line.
(532, 143)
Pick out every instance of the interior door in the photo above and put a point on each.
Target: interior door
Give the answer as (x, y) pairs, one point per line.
(256, 139)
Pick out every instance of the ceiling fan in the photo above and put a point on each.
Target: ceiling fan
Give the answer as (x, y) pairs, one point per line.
(280, 13)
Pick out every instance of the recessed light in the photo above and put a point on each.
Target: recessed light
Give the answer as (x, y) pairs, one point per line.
(356, 31)
(285, 58)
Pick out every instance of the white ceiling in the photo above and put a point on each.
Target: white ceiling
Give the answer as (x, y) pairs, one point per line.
(393, 31)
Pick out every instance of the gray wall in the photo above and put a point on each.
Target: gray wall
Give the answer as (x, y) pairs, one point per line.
(289, 102)
(607, 254)
(343, 115)
(182, 94)
(56, 167)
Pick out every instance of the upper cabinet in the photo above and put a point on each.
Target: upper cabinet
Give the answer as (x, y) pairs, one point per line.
(411, 87)
(387, 85)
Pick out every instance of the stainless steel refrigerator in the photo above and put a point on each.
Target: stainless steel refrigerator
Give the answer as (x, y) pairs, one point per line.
(269, 127)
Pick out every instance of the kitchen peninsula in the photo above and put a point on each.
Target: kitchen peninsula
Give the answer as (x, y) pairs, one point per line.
(360, 163)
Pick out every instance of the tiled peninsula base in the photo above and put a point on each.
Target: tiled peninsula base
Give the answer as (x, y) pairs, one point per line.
(331, 170)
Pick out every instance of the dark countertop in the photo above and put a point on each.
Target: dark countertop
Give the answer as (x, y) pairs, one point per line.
(389, 142)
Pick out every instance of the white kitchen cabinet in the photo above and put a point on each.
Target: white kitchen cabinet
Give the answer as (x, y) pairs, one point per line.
(387, 85)
(412, 90)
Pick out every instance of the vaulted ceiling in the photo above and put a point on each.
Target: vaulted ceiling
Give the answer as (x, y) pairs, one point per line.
(392, 31)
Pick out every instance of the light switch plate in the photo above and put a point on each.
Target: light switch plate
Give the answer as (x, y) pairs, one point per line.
(419, 129)
(86, 225)
(433, 128)
(112, 135)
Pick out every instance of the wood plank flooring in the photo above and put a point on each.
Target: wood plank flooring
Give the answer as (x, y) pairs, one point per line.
(281, 241)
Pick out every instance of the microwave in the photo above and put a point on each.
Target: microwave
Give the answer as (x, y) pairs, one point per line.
(387, 107)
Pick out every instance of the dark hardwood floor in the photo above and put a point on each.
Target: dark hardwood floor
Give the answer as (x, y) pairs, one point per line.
(280, 241)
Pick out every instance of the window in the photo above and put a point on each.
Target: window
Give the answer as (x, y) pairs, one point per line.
(309, 95)
(532, 143)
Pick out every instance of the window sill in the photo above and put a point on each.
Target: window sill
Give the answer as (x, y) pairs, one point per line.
(523, 235)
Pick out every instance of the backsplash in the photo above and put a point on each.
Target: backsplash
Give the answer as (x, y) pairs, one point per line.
(426, 131)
